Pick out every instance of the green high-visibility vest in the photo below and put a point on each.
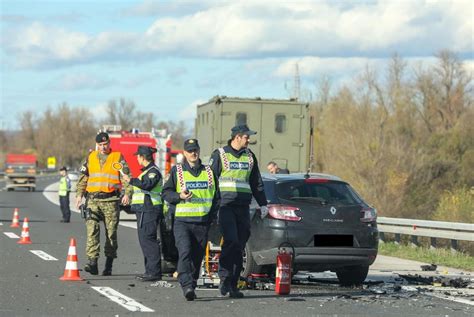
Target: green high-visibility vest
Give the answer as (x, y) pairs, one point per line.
(138, 197)
(203, 189)
(63, 186)
(235, 173)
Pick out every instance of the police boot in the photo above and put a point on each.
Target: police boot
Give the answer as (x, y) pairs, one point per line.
(91, 267)
(108, 267)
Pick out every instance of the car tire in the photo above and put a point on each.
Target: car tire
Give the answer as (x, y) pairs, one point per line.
(249, 265)
(352, 275)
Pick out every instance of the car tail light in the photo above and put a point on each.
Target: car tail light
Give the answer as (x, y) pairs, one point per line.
(31, 171)
(368, 214)
(9, 170)
(283, 212)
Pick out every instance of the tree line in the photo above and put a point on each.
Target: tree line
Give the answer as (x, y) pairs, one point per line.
(404, 138)
(67, 133)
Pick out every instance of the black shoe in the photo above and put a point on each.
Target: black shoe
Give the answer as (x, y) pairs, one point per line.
(148, 278)
(190, 294)
(91, 267)
(108, 267)
(224, 288)
(235, 293)
(62, 220)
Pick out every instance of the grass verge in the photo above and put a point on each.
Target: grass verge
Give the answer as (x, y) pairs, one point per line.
(436, 256)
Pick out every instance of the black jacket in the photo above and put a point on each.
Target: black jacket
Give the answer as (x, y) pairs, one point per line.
(148, 182)
(255, 181)
(170, 195)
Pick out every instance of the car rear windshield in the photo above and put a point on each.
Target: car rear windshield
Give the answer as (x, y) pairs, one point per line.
(330, 192)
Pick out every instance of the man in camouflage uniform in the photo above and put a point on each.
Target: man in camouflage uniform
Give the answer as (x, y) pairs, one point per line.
(101, 183)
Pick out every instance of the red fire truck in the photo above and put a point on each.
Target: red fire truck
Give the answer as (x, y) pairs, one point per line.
(127, 143)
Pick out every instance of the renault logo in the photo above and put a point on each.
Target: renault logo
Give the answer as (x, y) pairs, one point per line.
(333, 210)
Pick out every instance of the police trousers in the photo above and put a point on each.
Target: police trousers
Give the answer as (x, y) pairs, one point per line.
(64, 205)
(108, 212)
(147, 225)
(191, 240)
(234, 223)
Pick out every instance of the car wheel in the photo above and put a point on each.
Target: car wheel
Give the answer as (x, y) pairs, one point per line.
(10, 189)
(249, 265)
(352, 275)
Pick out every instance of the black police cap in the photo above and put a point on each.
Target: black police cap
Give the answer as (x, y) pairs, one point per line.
(145, 150)
(191, 145)
(102, 137)
(242, 129)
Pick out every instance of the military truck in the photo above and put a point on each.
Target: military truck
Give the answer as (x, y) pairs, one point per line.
(283, 129)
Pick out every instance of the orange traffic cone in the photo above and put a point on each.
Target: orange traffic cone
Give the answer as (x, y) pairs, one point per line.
(71, 272)
(16, 219)
(25, 233)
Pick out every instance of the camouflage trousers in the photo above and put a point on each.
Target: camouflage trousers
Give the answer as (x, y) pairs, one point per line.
(108, 212)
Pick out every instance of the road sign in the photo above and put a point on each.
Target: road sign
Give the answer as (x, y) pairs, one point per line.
(52, 162)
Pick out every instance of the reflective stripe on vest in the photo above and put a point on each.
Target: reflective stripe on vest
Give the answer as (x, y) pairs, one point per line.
(235, 173)
(138, 197)
(62, 186)
(203, 189)
(103, 179)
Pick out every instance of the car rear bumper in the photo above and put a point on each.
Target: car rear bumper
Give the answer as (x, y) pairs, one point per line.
(322, 258)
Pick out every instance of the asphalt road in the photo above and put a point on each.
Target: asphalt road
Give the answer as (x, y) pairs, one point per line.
(30, 285)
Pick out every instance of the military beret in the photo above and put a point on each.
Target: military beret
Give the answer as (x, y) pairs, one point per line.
(102, 137)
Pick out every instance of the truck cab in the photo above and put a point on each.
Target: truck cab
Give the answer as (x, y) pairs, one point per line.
(20, 171)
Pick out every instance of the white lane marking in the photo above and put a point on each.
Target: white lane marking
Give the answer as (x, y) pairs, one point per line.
(121, 299)
(11, 235)
(45, 256)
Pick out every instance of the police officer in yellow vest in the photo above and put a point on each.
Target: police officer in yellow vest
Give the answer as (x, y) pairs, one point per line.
(236, 168)
(63, 192)
(191, 187)
(147, 204)
(102, 184)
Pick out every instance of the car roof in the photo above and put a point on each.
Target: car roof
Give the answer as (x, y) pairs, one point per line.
(295, 176)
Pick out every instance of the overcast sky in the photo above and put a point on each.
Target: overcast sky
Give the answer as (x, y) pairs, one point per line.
(168, 56)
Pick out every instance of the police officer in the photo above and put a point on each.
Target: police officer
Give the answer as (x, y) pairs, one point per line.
(63, 192)
(239, 178)
(192, 188)
(147, 204)
(101, 183)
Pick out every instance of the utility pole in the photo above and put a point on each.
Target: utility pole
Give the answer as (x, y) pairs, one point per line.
(296, 92)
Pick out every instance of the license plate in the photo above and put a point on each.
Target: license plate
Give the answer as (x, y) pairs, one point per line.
(333, 240)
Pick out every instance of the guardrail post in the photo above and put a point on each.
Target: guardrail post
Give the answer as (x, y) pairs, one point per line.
(397, 238)
(381, 237)
(432, 243)
(454, 245)
(414, 241)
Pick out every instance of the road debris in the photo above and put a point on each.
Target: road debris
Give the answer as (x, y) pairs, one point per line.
(430, 267)
(445, 281)
(163, 284)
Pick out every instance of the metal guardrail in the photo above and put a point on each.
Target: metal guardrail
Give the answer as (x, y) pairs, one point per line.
(453, 231)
